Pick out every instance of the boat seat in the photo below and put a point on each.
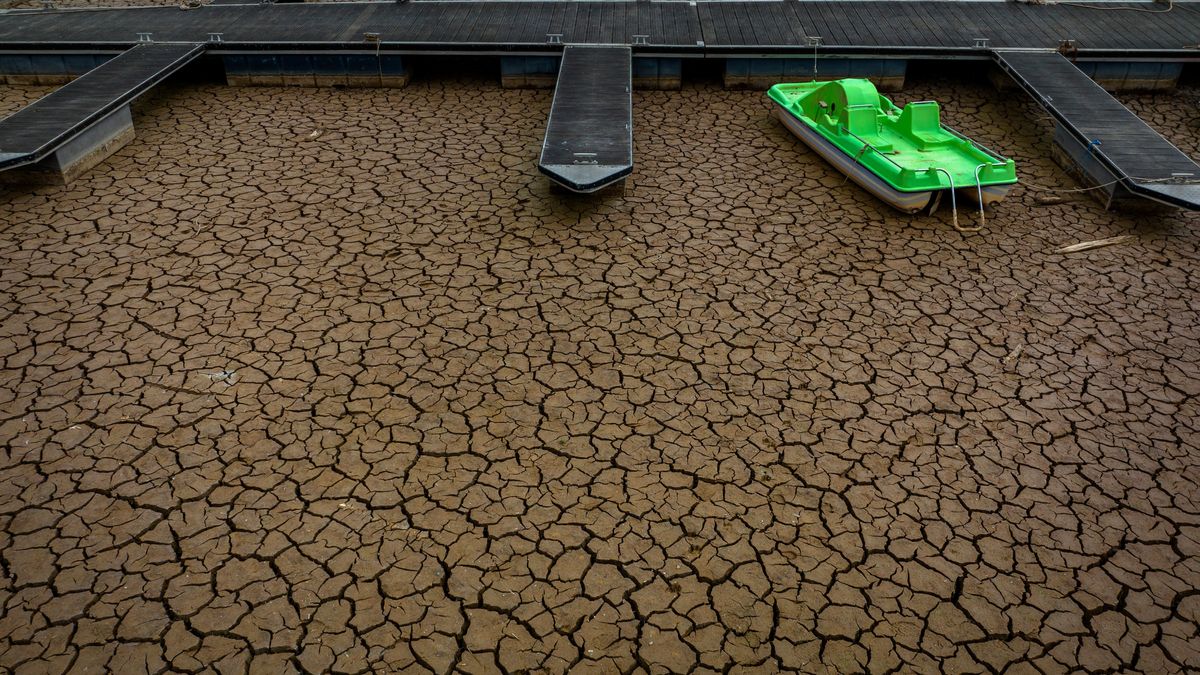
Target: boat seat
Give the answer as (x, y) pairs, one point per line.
(921, 121)
(863, 121)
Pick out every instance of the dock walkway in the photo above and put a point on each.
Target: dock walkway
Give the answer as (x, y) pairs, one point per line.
(1109, 142)
(918, 27)
(589, 136)
(86, 113)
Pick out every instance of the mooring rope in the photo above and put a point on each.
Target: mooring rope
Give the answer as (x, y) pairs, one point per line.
(1169, 7)
(1135, 179)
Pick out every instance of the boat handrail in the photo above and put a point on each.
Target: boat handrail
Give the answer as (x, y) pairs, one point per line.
(979, 187)
(953, 202)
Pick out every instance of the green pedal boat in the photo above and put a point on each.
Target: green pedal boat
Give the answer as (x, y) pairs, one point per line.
(904, 157)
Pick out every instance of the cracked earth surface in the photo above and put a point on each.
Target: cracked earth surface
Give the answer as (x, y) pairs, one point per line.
(321, 380)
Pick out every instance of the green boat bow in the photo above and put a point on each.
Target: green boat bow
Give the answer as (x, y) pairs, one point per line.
(908, 149)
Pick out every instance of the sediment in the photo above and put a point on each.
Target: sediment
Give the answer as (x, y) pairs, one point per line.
(329, 380)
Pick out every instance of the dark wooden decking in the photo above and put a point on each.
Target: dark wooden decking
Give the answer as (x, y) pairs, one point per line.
(1146, 163)
(40, 128)
(919, 26)
(939, 25)
(589, 137)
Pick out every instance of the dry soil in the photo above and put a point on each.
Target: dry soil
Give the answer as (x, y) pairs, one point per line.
(329, 380)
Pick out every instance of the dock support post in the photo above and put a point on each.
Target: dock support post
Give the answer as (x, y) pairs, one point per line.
(528, 72)
(47, 69)
(351, 69)
(652, 72)
(747, 73)
(541, 72)
(79, 154)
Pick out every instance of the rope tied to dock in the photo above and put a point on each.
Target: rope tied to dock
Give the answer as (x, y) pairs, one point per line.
(1042, 188)
(1169, 7)
(1173, 180)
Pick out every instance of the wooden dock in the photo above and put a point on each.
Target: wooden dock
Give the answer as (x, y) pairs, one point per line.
(1111, 145)
(918, 27)
(89, 116)
(589, 136)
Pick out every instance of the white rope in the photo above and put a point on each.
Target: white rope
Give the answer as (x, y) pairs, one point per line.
(1042, 188)
(1170, 6)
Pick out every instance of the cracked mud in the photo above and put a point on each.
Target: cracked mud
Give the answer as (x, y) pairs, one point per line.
(320, 380)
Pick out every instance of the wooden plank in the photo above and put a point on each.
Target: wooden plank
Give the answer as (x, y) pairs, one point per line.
(1105, 25)
(827, 25)
(582, 30)
(1061, 24)
(459, 28)
(535, 24)
(964, 30)
(739, 30)
(570, 17)
(993, 28)
(446, 18)
(934, 33)
(861, 16)
(1001, 16)
(362, 24)
(812, 21)
(767, 26)
(796, 25)
(708, 31)
(656, 26)
(856, 32)
(596, 23)
(557, 18)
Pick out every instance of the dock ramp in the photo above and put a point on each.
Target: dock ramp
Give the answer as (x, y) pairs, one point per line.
(589, 137)
(1104, 142)
(66, 132)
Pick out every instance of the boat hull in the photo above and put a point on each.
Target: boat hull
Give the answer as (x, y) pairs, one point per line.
(908, 202)
(992, 194)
